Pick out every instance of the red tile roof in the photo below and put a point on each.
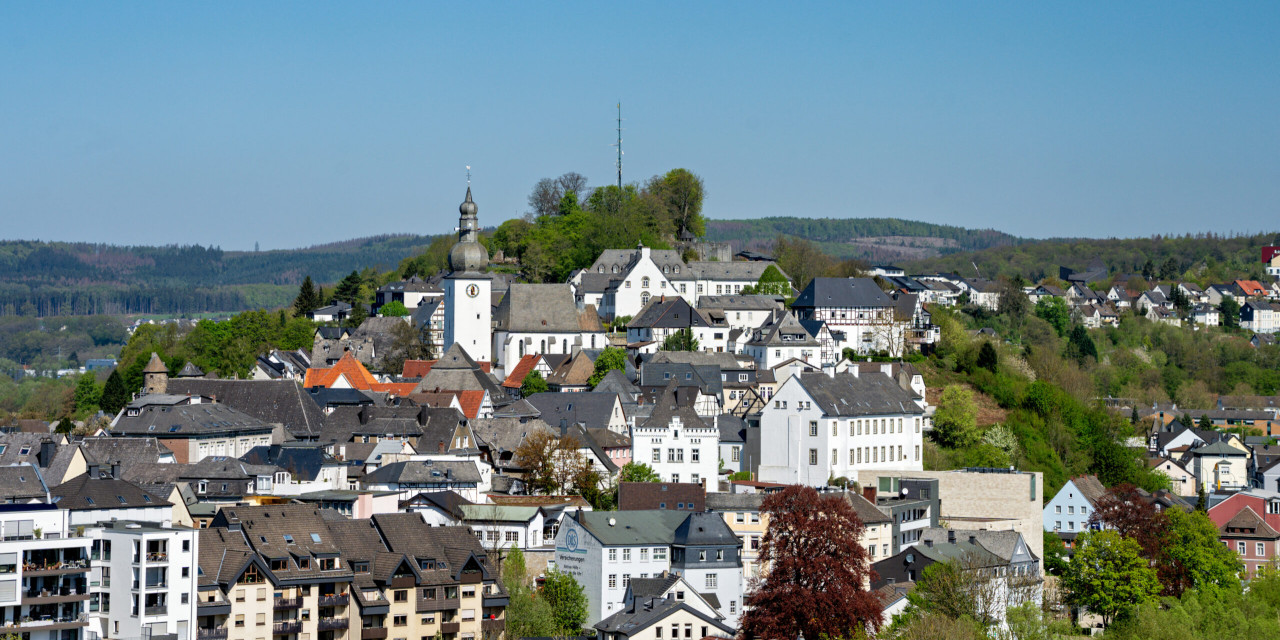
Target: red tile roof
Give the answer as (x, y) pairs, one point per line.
(356, 374)
(470, 401)
(518, 372)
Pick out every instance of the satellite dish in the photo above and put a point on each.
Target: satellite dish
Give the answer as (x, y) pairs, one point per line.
(904, 491)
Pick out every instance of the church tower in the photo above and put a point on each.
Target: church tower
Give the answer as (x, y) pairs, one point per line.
(468, 319)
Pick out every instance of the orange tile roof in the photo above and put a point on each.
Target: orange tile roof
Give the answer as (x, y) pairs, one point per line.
(1251, 287)
(518, 372)
(357, 375)
(470, 401)
(417, 368)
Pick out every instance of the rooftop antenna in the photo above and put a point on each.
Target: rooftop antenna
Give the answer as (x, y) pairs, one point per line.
(468, 176)
(975, 265)
(619, 146)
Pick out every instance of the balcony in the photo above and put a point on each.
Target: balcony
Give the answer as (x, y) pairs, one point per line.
(286, 627)
(47, 623)
(373, 633)
(55, 569)
(450, 627)
(288, 603)
(155, 609)
(332, 624)
(158, 556)
(334, 601)
(211, 634)
(55, 596)
(496, 626)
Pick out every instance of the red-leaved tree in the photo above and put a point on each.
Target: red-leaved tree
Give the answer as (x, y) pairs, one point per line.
(1132, 515)
(816, 570)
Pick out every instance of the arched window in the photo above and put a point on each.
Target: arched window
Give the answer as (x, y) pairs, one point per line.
(544, 347)
(600, 269)
(522, 348)
(644, 282)
(615, 268)
(677, 268)
(564, 346)
(593, 341)
(666, 268)
(644, 298)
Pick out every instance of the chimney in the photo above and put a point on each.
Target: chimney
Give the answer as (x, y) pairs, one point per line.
(973, 539)
(45, 455)
(364, 414)
(442, 447)
(115, 470)
(870, 494)
(951, 536)
(829, 369)
(855, 369)
(423, 416)
(93, 471)
(644, 251)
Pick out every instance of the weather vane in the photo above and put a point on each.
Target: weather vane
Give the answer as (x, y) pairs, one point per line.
(468, 176)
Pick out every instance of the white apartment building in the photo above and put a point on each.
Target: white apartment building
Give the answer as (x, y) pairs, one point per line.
(676, 442)
(44, 566)
(821, 425)
(143, 581)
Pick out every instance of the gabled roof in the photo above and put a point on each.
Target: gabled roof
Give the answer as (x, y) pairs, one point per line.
(1248, 523)
(1218, 448)
(155, 365)
(22, 482)
(784, 330)
(842, 293)
(1090, 487)
(425, 471)
(644, 613)
(594, 409)
(616, 382)
(576, 372)
(305, 462)
(668, 313)
(527, 364)
(270, 401)
(669, 405)
(187, 420)
(543, 308)
(844, 394)
(83, 493)
(457, 371)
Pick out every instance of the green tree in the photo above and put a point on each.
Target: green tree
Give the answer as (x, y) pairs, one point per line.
(680, 193)
(955, 420)
(609, 359)
(308, 298)
(987, 357)
(1108, 575)
(773, 283)
(638, 472)
(1193, 557)
(1055, 554)
(568, 602)
(394, 308)
(88, 395)
(1080, 346)
(533, 383)
(1230, 311)
(348, 289)
(1054, 310)
(356, 316)
(527, 615)
(680, 340)
(114, 393)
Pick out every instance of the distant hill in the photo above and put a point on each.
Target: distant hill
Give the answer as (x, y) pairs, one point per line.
(871, 239)
(1204, 258)
(63, 278)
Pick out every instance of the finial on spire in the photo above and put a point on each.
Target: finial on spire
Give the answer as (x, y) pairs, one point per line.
(468, 176)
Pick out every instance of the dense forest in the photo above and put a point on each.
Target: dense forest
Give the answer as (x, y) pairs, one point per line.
(57, 278)
(872, 239)
(1204, 258)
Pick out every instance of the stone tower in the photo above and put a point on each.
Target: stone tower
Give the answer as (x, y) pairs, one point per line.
(155, 378)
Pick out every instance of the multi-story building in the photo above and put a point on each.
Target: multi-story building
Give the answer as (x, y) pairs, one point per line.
(285, 570)
(143, 581)
(781, 339)
(856, 308)
(543, 319)
(44, 567)
(821, 425)
(676, 442)
(194, 427)
(604, 551)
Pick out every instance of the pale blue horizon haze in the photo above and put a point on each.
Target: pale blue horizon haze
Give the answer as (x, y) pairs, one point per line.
(292, 124)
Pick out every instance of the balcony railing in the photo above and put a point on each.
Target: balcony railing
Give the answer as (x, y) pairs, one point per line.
(331, 624)
(287, 627)
(334, 601)
(211, 634)
(493, 625)
(373, 633)
(155, 609)
(158, 556)
(288, 603)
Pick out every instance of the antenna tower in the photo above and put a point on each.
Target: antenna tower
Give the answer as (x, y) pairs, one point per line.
(619, 146)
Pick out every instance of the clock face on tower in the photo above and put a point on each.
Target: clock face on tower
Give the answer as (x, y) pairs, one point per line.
(473, 290)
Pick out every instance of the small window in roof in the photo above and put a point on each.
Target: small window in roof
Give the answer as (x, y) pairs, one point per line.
(288, 539)
(2, 448)
(88, 499)
(122, 500)
(151, 428)
(146, 498)
(25, 450)
(315, 537)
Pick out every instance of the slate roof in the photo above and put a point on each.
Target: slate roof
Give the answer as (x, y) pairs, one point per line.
(457, 371)
(190, 370)
(480, 513)
(616, 382)
(653, 587)
(380, 330)
(22, 482)
(344, 424)
(669, 404)
(842, 293)
(1218, 448)
(671, 312)
(1090, 488)
(784, 330)
(83, 493)
(282, 402)
(594, 409)
(304, 462)
(425, 471)
(624, 259)
(188, 421)
(502, 436)
(644, 613)
(730, 270)
(543, 308)
(707, 377)
(640, 496)
(128, 452)
(1001, 543)
(633, 527)
(52, 469)
(155, 365)
(576, 372)
(844, 394)
(449, 502)
(739, 303)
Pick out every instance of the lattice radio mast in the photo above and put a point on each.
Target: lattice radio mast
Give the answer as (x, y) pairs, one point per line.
(619, 146)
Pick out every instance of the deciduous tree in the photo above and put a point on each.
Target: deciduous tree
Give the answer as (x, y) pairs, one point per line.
(680, 340)
(533, 383)
(638, 472)
(817, 570)
(609, 359)
(568, 602)
(955, 421)
(553, 462)
(1108, 575)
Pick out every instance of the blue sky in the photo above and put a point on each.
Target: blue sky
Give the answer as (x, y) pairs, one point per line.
(293, 124)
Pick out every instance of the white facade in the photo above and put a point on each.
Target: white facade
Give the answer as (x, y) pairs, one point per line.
(146, 579)
(469, 315)
(42, 557)
(799, 444)
(679, 451)
(642, 283)
(1068, 511)
(511, 346)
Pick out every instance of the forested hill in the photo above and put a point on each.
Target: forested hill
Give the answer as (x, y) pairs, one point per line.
(61, 278)
(871, 239)
(1204, 258)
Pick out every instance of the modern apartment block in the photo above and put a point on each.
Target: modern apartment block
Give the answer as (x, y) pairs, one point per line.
(44, 567)
(286, 572)
(142, 581)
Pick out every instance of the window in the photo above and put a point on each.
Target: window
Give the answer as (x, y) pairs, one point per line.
(859, 451)
(712, 581)
(626, 555)
(1240, 547)
(735, 454)
(401, 595)
(702, 555)
(239, 619)
(1057, 509)
(626, 580)
(660, 553)
(644, 282)
(813, 428)
(813, 456)
(740, 517)
(1071, 509)
(644, 556)
(657, 633)
(917, 453)
(694, 455)
(613, 555)
(755, 518)
(613, 581)
(835, 424)
(657, 455)
(1261, 549)
(834, 458)
(400, 620)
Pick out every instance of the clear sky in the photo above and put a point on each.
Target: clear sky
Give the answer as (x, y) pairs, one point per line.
(231, 123)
